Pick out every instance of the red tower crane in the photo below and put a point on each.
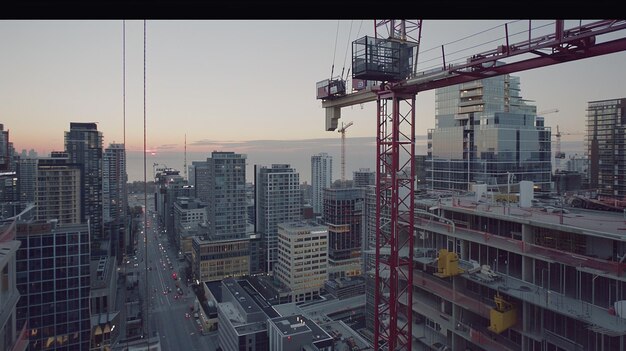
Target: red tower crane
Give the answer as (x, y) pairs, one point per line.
(390, 58)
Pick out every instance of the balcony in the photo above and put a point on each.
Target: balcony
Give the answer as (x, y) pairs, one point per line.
(468, 109)
(471, 93)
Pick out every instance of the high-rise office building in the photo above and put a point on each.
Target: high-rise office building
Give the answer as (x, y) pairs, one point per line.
(343, 214)
(53, 279)
(321, 178)
(57, 195)
(13, 334)
(579, 164)
(26, 178)
(114, 179)
(486, 133)
(369, 254)
(9, 192)
(369, 224)
(199, 170)
(83, 144)
(7, 153)
(606, 146)
(221, 183)
(302, 263)
(170, 185)
(114, 182)
(364, 177)
(278, 200)
(214, 259)
(189, 213)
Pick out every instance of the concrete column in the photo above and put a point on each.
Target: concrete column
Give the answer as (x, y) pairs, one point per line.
(527, 262)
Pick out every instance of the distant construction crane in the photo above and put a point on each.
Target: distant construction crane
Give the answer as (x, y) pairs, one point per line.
(342, 130)
(558, 155)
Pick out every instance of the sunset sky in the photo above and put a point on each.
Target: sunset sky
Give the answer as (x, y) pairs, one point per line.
(221, 82)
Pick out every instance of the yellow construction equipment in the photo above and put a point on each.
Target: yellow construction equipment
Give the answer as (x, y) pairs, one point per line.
(447, 264)
(506, 197)
(503, 316)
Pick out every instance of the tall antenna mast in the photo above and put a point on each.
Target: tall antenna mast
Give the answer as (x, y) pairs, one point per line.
(185, 165)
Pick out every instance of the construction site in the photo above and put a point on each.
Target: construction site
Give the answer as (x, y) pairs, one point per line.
(481, 268)
(500, 276)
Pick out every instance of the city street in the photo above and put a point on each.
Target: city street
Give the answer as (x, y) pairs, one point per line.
(170, 298)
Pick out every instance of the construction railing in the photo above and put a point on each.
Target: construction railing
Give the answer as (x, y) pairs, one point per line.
(519, 246)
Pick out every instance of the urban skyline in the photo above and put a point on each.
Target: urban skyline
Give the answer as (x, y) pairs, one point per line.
(462, 236)
(190, 84)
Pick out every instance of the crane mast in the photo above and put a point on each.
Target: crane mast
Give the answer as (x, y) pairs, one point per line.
(343, 150)
(558, 154)
(389, 58)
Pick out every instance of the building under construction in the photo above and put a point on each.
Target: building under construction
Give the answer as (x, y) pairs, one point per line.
(606, 127)
(493, 275)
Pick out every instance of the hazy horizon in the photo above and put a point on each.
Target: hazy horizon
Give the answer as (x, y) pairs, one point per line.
(58, 72)
(360, 153)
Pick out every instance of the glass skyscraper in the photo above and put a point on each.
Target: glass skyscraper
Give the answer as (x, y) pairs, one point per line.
(53, 279)
(343, 214)
(222, 185)
(114, 197)
(486, 133)
(278, 200)
(321, 178)
(83, 144)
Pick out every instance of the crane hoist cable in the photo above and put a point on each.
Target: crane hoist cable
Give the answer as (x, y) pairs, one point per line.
(346, 54)
(344, 61)
(332, 69)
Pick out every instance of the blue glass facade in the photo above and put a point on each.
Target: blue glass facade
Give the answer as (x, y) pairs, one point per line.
(484, 131)
(53, 279)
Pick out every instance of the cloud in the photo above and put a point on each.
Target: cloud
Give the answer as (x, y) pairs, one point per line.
(206, 142)
(166, 147)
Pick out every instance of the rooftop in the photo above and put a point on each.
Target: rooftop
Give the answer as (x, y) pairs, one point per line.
(238, 321)
(346, 281)
(290, 325)
(243, 298)
(101, 270)
(258, 299)
(310, 225)
(205, 239)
